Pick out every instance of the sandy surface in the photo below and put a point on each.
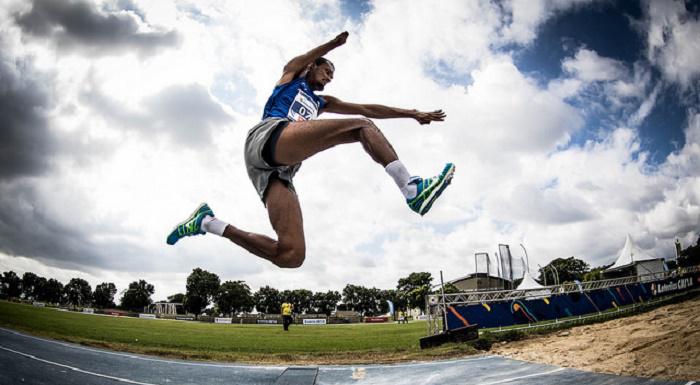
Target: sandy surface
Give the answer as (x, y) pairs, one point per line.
(663, 343)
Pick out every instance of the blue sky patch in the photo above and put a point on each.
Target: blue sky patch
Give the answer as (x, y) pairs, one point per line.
(609, 30)
(445, 75)
(355, 9)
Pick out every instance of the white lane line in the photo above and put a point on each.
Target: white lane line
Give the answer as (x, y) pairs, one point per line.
(76, 369)
(690, 383)
(521, 377)
(72, 346)
(431, 363)
(411, 365)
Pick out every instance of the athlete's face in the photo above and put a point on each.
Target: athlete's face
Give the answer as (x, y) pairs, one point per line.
(319, 76)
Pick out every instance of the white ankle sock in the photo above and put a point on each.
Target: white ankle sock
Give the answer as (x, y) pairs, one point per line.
(213, 225)
(398, 172)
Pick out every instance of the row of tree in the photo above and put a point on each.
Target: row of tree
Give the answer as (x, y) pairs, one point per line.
(232, 297)
(77, 292)
(690, 256)
(204, 288)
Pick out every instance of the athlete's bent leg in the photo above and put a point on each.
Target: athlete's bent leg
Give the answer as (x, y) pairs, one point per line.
(289, 250)
(285, 216)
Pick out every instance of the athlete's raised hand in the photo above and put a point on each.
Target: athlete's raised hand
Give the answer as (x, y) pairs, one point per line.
(427, 117)
(340, 39)
(300, 63)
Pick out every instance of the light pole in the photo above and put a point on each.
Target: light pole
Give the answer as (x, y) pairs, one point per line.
(527, 260)
(556, 272)
(544, 274)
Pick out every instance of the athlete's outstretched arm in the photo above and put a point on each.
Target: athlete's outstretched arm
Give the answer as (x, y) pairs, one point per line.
(295, 66)
(378, 111)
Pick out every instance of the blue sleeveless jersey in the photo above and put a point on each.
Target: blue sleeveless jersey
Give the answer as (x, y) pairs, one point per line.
(294, 101)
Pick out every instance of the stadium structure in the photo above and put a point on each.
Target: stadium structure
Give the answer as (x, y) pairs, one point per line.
(635, 278)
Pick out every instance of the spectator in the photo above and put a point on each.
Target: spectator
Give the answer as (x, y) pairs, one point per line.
(287, 315)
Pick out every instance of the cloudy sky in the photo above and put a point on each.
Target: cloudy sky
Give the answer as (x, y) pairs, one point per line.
(572, 123)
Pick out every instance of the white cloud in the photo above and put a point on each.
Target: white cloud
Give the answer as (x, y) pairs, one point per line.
(673, 44)
(607, 87)
(505, 110)
(634, 86)
(588, 66)
(545, 205)
(645, 107)
(526, 16)
(686, 162)
(678, 213)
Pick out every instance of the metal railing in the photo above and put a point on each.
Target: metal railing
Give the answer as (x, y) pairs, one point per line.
(477, 297)
(437, 304)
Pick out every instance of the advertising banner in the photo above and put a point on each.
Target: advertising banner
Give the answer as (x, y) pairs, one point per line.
(672, 286)
(218, 320)
(376, 319)
(314, 321)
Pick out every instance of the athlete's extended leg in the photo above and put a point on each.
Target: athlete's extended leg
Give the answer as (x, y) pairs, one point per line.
(301, 140)
(289, 249)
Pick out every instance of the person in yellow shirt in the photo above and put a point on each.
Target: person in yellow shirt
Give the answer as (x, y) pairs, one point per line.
(402, 317)
(287, 315)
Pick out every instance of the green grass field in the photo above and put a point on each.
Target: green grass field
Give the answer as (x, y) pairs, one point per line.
(356, 343)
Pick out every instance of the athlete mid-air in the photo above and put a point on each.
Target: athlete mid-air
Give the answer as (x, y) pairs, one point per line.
(289, 134)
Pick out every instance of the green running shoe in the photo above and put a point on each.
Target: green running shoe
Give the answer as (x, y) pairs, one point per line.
(191, 226)
(429, 190)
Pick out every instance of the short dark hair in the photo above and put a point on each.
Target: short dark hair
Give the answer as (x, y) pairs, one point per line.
(322, 60)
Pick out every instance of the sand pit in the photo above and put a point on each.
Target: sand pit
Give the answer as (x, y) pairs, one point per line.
(663, 343)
